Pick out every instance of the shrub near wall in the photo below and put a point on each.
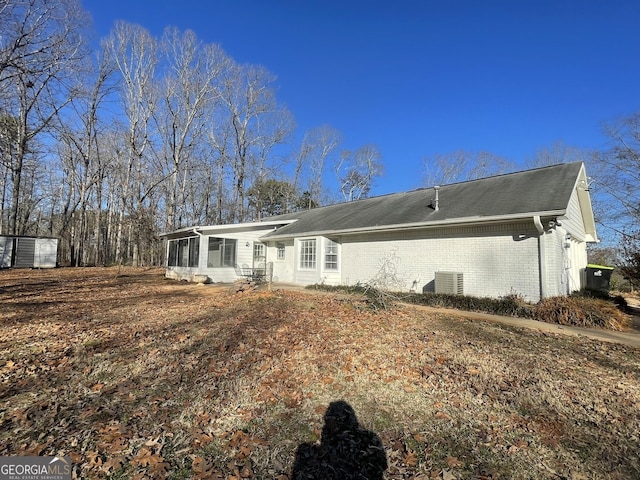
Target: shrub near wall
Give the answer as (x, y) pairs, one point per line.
(580, 310)
(509, 305)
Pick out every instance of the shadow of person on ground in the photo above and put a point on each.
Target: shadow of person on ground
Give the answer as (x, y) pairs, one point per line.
(346, 450)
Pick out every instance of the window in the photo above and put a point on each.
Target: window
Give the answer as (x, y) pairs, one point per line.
(194, 251)
(173, 253)
(222, 252)
(258, 253)
(184, 252)
(259, 259)
(308, 254)
(280, 251)
(330, 255)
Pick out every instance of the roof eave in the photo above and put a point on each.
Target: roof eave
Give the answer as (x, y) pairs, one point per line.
(234, 226)
(466, 221)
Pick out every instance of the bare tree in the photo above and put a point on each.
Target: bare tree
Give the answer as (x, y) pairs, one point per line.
(8, 147)
(355, 171)
(460, 166)
(311, 159)
(219, 172)
(81, 160)
(113, 148)
(134, 53)
(616, 176)
(40, 48)
(188, 98)
(254, 124)
(557, 153)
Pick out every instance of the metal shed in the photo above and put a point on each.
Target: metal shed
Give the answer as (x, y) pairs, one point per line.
(28, 252)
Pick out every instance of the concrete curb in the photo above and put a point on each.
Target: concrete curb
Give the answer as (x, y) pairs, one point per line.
(629, 338)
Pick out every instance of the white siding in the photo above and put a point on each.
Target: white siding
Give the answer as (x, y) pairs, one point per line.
(282, 268)
(244, 258)
(495, 261)
(566, 260)
(556, 271)
(575, 249)
(577, 255)
(573, 222)
(570, 256)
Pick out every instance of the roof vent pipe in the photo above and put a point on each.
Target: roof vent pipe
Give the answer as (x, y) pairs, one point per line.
(437, 200)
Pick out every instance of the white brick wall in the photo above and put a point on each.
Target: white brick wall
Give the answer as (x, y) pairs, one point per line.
(495, 261)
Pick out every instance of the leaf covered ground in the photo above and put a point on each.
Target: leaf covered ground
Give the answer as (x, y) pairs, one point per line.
(136, 376)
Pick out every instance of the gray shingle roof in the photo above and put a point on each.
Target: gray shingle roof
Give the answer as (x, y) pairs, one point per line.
(535, 191)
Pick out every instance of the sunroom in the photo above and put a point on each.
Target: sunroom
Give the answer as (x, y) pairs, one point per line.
(218, 253)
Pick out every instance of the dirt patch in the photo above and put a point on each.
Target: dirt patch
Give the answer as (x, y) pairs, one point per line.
(137, 376)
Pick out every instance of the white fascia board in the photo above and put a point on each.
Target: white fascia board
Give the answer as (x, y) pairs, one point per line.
(466, 221)
(234, 226)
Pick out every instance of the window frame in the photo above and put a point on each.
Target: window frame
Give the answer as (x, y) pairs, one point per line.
(307, 259)
(172, 256)
(194, 252)
(331, 249)
(259, 251)
(280, 251)
(228, 252)
(184, 252)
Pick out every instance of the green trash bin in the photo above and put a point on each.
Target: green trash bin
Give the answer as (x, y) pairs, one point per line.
(598, 277)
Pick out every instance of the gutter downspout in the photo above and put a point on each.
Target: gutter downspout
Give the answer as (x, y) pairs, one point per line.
(541, 256)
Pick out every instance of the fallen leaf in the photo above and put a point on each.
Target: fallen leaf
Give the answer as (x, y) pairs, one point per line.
(113, 464)
(446, 475)
(204, 470)
(442, 416)
(410, 459)
(146, 458)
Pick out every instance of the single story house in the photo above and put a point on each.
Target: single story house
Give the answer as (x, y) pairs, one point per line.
(520, 233)
(18, 251)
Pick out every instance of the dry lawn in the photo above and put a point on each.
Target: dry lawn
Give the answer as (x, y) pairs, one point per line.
(136, 376)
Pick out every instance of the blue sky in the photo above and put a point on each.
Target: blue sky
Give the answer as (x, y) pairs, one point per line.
(418, 78)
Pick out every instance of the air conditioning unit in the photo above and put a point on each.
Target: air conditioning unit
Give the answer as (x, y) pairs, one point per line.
(450, 282)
